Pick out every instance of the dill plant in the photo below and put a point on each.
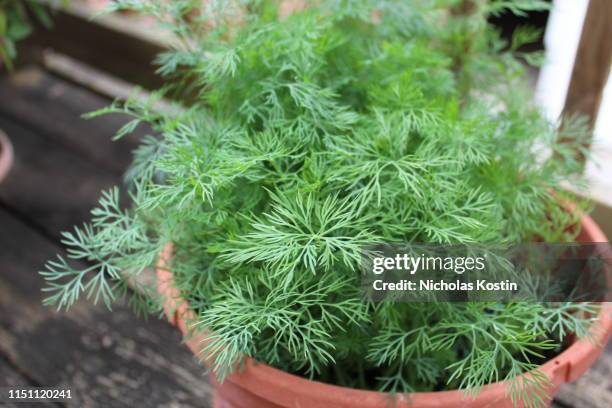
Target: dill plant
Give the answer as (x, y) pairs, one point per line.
(301, 139)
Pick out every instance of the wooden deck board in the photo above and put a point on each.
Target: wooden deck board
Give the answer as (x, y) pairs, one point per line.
(108, 359)
(52, 108)
(11, 377)
(50, 187)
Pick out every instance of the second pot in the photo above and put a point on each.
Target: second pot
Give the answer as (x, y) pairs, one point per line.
(6, 155)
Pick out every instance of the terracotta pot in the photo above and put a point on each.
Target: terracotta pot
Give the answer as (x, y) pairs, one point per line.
(6, 155)
(262, 386)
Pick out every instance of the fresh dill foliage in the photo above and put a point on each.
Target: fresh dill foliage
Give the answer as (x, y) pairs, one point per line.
(303, 138)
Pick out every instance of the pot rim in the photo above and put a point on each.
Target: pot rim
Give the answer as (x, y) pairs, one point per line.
(6, 155)
(266, 381)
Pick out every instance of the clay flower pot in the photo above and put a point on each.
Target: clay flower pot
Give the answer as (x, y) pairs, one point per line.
(260, 386)
(6, 155)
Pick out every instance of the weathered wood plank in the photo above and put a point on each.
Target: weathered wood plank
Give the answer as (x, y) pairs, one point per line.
(107, 359)
(93, 80)
(102, 45)
(53, 108)
(62, 162)
(9, 377)
(47, 185)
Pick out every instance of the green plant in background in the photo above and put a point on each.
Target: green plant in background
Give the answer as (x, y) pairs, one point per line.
(16, 19)
(306, 138)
